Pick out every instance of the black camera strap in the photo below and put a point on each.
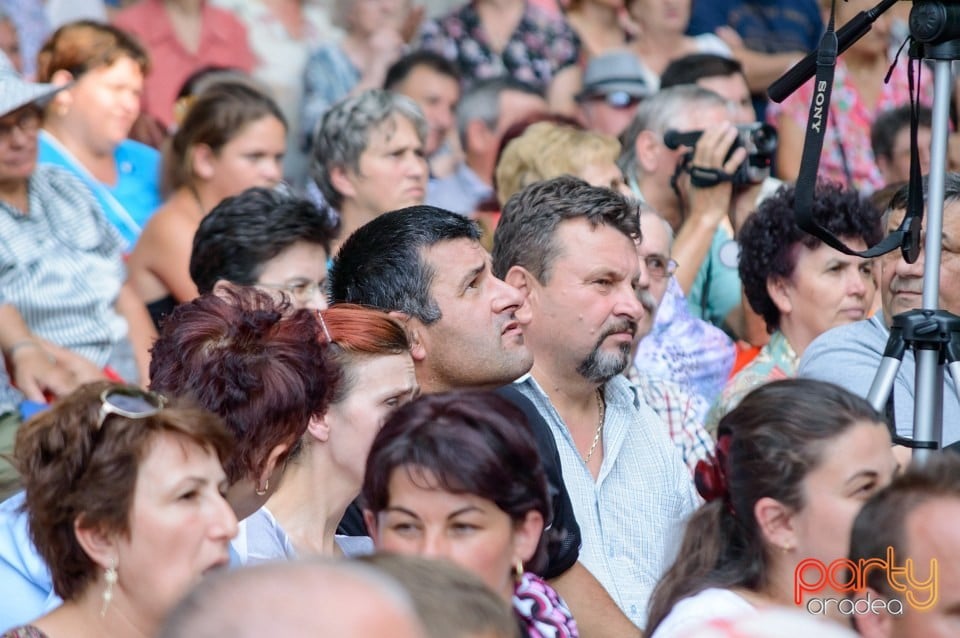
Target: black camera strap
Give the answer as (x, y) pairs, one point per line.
(907, 235)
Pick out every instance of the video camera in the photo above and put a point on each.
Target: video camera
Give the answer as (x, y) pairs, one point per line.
(758, 138)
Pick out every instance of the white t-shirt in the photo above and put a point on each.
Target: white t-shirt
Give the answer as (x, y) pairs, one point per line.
(693, 611)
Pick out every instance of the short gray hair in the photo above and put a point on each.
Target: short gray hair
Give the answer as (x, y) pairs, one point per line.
(660, 112)
(481, 101)
(344, 133)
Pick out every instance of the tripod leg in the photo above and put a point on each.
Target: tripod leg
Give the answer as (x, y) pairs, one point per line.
(927, 402)
(882, 384)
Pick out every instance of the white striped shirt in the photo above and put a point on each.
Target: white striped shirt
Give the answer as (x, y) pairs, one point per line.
(61, 266)
(632, 516)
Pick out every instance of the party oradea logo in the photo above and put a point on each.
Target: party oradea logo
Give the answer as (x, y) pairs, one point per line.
(814, 582)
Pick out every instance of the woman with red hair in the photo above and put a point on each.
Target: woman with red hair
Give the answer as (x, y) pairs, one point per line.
(325, 468)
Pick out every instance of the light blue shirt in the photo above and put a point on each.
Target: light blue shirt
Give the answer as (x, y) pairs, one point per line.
(460, 192)
(133, 199)
(632, 516)
(24, 578)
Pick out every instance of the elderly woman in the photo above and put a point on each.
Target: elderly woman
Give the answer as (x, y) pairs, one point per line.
(371, 354)
(795, 461)
(124, 496)
(458, 476)
(799, 285)
(86, 126)
(231, 139)
(256, 363)
(64, 306)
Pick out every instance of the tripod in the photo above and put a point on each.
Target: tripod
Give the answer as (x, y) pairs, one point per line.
(932, 334)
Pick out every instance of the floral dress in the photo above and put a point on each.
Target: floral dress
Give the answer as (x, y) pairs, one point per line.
(540, 46)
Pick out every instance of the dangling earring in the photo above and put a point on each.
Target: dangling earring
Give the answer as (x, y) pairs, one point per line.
(109, 575)
(518, 570)
(262, 491)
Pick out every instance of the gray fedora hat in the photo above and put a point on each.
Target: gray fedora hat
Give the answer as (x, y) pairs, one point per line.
(613, 72)
(16, 93)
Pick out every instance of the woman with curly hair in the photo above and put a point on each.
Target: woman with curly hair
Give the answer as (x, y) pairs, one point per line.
(799, 285)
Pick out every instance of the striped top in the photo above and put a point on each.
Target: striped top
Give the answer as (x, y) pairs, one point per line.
(61, 266)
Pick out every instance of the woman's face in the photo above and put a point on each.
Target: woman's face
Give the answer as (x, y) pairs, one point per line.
(468, 530)
(855, 465)
(369, 16)
(301, 272)
(105, 102)
(180, 525)
(827, 289)
(669, 16)
(252, 157)
(18, 145)
(379, 384)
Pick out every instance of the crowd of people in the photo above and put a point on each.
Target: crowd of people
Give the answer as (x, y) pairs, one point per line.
(469, 319)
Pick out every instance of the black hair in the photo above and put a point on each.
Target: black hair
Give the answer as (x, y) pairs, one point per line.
(402, 68)
(696, 66)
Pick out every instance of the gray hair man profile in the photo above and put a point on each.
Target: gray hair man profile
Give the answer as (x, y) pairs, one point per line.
(486, 110)
(698, 211)
(368, 156)
(570, 248)
(300, 599)
(913, 519)
(850, 355)
(426, 266)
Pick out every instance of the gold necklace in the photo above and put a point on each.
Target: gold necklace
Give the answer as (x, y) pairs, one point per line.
(596, 437)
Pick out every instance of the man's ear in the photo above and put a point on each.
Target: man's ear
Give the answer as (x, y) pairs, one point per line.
(478, 136)
(779, 290)
(521, 279)
(775, 521)
(99, 545)
(649, 150)
(342, 181)
(873, 625)
(414, 328)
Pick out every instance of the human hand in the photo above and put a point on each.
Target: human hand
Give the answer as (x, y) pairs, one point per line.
(410, 26)
(36, 373)
(712, 203)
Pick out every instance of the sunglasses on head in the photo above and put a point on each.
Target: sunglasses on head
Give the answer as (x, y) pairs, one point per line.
(130, 402)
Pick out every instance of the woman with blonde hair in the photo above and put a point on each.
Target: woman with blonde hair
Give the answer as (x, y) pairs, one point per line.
(87, 125)
(546, 150)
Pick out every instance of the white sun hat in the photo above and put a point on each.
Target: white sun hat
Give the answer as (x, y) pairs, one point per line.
(16, 93)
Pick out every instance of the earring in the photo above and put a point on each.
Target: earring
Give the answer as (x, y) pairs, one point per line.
(262, 491)
(109, 575)
(786, 548)
(518, 570)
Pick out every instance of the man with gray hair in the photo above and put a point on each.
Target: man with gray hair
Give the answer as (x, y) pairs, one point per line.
(368, 157)
(570, 248)
(487, 109)
(318, 597)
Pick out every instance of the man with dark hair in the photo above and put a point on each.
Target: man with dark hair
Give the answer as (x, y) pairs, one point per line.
(486, 110)
(433, 82)
(570, 248)
(427, 268)
(720, 74)
(890, 141)
(266, 239)
(913, 519)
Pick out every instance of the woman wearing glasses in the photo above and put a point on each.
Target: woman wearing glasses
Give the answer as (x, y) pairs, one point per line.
(324, 471)
(799, 285)
(232, 138)
(457, 476)
(125, 500)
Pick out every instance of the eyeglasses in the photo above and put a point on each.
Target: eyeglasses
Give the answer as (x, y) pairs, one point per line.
(618, 99)
(130, 402)
(659, 266)
(301, 290)
(27, 120)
